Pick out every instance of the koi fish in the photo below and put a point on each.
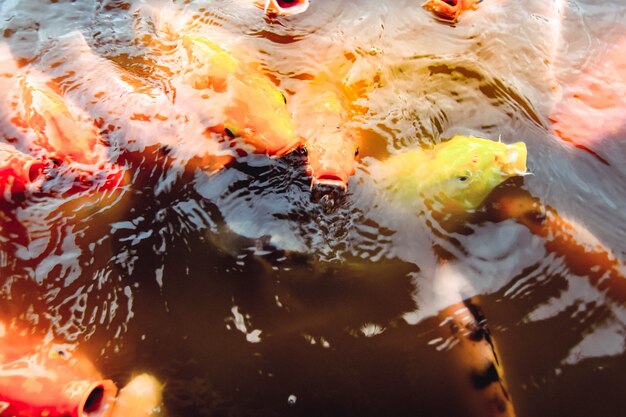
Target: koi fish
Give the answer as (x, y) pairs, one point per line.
(22, 174)
(284, 7)
(254, 109)
(465, 338)
(593, 107)
(583, 253)
(70, 155)
(57, 130)
(141, 397)
(17, 171)
(134, 113)
(450, 9)
(323, 110)
(38, 378)
(454, 176)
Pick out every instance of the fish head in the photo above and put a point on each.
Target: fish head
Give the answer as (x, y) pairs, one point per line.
(464, 170)
(49, 378)
(286, 7)
(210, 65)
(449, 9)
(257, 113)
(332, 158)
(142, 396)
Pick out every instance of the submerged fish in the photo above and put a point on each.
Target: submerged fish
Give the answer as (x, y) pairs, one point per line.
(57, 130)
(467, 342)
(583, 253)
(452, 177)
(253, 109)
(141, 397)
(450, 9)
(593, 107)
(64, 158)
(47, 379)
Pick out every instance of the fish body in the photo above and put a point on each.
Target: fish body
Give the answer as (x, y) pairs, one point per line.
(57, 130)
(254, 110)
(593, 107)
(453, 176)
(141, 397)
(467, 343)
(22, 174)
(450, 9)
(47, 379)
(583, 253)
(324, 110)
(64, 158)
(17, 171)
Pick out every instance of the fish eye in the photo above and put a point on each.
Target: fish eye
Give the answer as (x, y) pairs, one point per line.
(303, 150)
(229, 133)
(356, 152)
(464, 176)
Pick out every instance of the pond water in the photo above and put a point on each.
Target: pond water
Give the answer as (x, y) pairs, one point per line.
(246, 295)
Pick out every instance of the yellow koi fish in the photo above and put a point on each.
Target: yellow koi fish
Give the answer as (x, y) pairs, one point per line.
(254, 110)
(454, 176)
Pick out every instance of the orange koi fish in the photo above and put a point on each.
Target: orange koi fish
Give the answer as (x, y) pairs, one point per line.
(57, 130)
(584, 257)
(284, 7)
(69, 151)
(17, 171)
(594, 107)
(450, 9)
(47, 379)
(22, 174)
(39, 378)
(323, 110)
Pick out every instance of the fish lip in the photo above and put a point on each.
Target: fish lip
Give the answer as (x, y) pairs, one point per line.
(333, 179)
(298, 6)
(284, 150)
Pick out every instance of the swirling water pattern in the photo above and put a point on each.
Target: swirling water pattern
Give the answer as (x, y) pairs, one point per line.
(241, 290)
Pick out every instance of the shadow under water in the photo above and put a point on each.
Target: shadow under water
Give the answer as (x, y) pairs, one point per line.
(247, 296)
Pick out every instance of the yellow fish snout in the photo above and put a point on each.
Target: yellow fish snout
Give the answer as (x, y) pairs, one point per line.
(514, 160)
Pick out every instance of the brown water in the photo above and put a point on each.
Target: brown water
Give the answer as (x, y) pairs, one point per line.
(238, 290)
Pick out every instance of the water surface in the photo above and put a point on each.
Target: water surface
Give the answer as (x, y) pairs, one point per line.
(243, 293)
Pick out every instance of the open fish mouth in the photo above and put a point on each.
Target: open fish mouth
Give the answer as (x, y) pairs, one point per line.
(283, 150)
(330, 179)
(286, 7)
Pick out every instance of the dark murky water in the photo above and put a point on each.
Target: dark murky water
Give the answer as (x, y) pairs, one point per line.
(238, 290)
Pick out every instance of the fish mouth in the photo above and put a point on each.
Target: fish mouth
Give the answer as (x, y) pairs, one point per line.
(330, 179)
(515, 163)
(287, 7)
(97, 399)
(288, 4)
(328, 190)
(283, 150)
